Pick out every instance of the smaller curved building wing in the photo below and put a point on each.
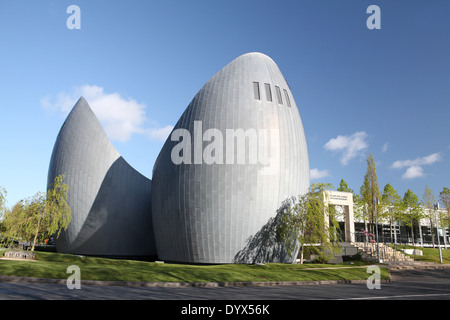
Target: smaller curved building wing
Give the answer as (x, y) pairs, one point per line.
(110, 201)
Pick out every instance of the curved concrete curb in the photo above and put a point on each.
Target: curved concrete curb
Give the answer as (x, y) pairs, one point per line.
(14, 279)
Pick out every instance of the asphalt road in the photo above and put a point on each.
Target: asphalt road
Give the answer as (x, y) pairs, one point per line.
(231, 302)
(412, 284)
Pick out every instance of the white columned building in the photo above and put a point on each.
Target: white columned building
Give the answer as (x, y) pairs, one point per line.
(345, 200)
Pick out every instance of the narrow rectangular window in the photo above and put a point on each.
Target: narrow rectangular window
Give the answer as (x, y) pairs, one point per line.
(268, 92)
(280, 100)
(287, 98)
(256, 90)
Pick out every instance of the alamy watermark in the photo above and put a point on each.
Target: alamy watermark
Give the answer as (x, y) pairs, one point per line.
(374, 21)
(74, 20)
(374, 280)
(234, 146)
(74, 280)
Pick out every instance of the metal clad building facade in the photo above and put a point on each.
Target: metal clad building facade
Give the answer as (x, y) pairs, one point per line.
(109, 200)
(244, 152)
(217, 213)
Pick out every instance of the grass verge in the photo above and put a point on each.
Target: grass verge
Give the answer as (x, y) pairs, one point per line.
(429, 254)
(54, 266)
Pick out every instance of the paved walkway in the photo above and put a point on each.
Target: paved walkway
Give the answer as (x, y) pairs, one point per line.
(397, 265)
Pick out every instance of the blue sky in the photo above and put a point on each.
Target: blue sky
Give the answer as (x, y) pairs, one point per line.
(359, 91)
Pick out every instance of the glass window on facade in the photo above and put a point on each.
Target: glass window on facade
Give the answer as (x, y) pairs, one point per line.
(256, 90)
(268, 92)
(277, 89)
(287, 98)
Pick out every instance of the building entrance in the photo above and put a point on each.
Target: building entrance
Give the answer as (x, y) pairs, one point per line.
(345, 201)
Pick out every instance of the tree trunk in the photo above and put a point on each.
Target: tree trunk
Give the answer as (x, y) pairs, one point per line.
(390, 227)
(301, 254)
(432, 231)
(36, 235)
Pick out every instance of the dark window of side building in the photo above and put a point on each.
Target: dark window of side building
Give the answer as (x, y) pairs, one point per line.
(256, 90)
(268, 92)
(277, 89)
(288, 102)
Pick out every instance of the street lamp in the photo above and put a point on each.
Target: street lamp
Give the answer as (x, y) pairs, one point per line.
(377, 202)
(436, 207)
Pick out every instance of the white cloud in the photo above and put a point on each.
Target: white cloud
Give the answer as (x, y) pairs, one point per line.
(413, 172)
(315, 174)
(430, 159)
(414, 167)
(350, 146)
(385, 147)
(120, 117)
(160, 134)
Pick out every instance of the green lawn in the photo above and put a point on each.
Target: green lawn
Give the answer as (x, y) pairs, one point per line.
(429, 254)
(54, 265)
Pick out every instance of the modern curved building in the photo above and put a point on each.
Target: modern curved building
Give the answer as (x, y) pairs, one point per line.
(110, 201)
(236, 153)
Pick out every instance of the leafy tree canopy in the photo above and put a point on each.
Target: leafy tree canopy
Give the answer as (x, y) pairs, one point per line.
(41, 216)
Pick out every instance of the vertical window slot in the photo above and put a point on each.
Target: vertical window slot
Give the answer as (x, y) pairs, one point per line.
(277, 89)
(288, 102)
(256, 90)
(268, 92)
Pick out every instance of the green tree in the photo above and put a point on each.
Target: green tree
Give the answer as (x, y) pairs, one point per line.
(359, 208)
(392, 204)
(370, 191)
(444, 197)
(412, 211)
(3, 194)
(308, 225)
(3, 209)
(343, 187)
(428, 202)
(41, 216)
